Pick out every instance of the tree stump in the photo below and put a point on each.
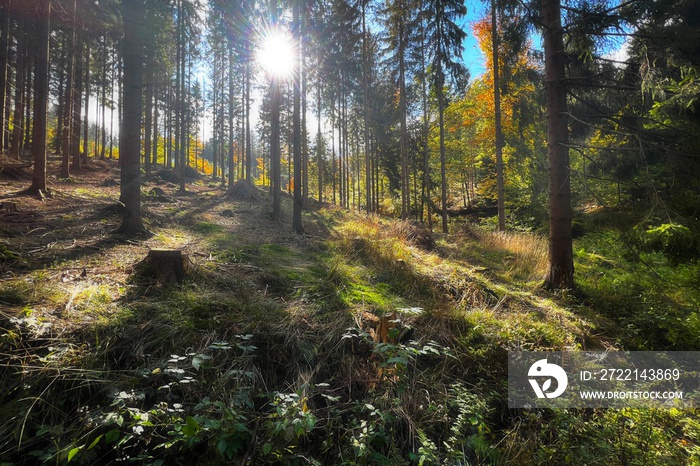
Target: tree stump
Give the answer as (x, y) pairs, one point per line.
(165, 266)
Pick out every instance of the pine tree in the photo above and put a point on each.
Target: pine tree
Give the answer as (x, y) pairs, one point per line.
(445, 37)
(560, 273)
(130, 131)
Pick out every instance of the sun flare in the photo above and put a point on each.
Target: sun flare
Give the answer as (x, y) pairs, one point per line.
(276, 54)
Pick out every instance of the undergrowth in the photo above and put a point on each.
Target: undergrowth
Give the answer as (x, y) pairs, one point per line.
(381, 344)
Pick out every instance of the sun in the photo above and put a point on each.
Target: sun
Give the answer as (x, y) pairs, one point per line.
(276, 54)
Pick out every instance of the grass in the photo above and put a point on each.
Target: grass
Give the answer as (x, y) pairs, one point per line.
(653, 300)
(272, 351)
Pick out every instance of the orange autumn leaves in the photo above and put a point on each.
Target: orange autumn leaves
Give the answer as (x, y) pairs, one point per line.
(469, 120)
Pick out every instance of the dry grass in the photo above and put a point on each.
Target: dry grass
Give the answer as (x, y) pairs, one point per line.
(529, 251)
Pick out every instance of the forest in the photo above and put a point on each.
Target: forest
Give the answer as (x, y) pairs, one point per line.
(291, 233)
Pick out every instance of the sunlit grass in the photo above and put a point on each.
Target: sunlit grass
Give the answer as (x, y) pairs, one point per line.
(172, 238)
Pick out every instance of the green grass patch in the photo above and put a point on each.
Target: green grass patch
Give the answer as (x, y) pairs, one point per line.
(653, 299)
(207, 228)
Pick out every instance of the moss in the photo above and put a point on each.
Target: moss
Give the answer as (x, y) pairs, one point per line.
(206, 228)
(16, 292)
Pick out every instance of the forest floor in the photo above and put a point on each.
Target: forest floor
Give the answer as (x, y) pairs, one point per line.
(364, 341)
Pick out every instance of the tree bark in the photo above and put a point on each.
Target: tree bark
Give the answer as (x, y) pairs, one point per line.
(20, 97)
(77, 103)
(41, 96)
(4, 67)
(403, 143)
(275, 165)
(296, 124)
(70, 81)
(500, 186)
(231, 98)
(130, 132)
(560, 273)
(149, 114)
(166, 266)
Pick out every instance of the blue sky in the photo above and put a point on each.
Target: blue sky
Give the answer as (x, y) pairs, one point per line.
(472, 56)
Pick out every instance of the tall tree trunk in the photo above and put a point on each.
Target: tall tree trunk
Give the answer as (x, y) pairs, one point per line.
(500, 187)
(41, 95)
(341, 177)
(296, 128)
(231, 95)
(130, 131)
(28, 98)
(319, 141)
(149, 113)
(70, 81)
(5, 23)
(77, 101)
(248, 147)
(20, 95)
(443, 162)
(333, 164)
(560, 273)
(57, 142)
(103, 149)
(304, 129)
(86, 119)
(405, 200)
(426, 138)
(275, 165)
(180, 133)
(111, 112)
(155, 128)
(365, 105)
(177, 103)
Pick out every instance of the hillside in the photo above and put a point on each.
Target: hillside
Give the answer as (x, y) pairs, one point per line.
(365, 341)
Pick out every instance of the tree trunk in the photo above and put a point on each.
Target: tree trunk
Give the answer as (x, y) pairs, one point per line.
(103, 144)
(149, 114)
(443, 162)
(248, 148)
(276, 174)
(304, 129)
(28, 102)
(130, 132)
(77, 102)
(84, 81)
(500, 187)
(231, 94)
(560, 273)
(405, 200)
(111, 113)
(319, 142)
(70, 81)
(41, 96)
(155, 128)
(426, 138)
(4, 67)
(296, 124)
(20, 97)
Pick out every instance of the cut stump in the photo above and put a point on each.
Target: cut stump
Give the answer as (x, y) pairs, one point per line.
(165, 266)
